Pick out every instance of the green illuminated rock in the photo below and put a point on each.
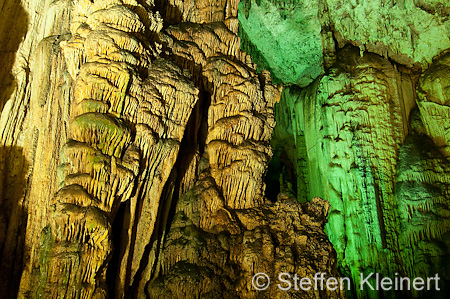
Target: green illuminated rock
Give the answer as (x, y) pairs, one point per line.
(136, 138)
(366, 127)
(347, 138)
(295, 39)
(284, 37)
(406, 31)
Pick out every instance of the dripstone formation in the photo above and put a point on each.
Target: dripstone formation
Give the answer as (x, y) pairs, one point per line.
(135, 143)
(363, 123)
(174, 149)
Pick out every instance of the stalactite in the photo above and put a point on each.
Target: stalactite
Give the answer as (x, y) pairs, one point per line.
(140, 155)
(103, 158)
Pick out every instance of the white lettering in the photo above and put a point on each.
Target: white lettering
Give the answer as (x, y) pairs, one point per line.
(365, 281)
(296, 282)
(330, 282)
(342, 279)
(307, 281)
(386, 284)
(280, 278)
(416, 281)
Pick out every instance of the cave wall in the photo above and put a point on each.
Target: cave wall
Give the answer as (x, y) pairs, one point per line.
(135, 139)
(139, 154)
(363, 128)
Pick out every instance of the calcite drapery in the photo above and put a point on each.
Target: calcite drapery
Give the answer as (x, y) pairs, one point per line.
(343, 134)
(121, 117)
(224, 230)
(146, 129)
(364, 124)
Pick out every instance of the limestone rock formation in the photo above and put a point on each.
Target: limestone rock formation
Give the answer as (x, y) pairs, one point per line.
(351, 123)
(215, 258)
(174, 149)
(365, 127)
(137, 139)
(305, 34)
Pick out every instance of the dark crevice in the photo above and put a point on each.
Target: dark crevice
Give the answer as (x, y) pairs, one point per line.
(203, 129)
(17, 23)
(143, 174)
(192, 144)
(380, 210)
(117, 228)
(272, 179)
(13, 221)
(170, 14)
(281, 176)
(191, 147)
(156, 238)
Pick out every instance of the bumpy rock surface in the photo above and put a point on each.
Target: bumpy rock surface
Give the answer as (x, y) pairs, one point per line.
(215, 255)
(135, 139)
(366, 127)
(304, 34)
